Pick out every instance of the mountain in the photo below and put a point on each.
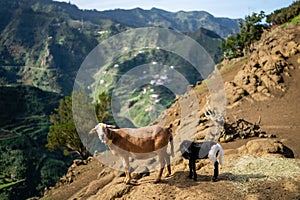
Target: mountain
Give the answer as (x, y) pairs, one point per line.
(181, 21)
(210, 42)
(45, 42)
(38, 37)
(42, 45)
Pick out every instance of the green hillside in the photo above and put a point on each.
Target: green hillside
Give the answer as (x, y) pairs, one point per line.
(42, 47)
(26, 166)
(149, 100)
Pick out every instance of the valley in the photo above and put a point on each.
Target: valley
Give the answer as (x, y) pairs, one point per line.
(43, 44)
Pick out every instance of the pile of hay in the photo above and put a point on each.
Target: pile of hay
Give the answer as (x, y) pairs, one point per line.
(249, 167)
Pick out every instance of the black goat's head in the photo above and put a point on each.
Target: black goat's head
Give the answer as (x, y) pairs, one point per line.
(185, 149)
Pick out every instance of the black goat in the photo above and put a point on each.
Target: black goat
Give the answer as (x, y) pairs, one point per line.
(202, 150)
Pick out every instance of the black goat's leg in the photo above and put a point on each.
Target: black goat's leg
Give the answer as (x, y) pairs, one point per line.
(194, 169)
(216, 172)
(191, 168)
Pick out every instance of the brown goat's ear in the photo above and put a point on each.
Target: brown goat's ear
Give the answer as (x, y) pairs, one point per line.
(110, 126)
(93, 130)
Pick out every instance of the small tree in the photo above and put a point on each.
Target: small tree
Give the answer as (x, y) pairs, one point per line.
(239, 44)
(251, 30)
(63, 131)
(103, 108)
(284, 15)
(231, 47)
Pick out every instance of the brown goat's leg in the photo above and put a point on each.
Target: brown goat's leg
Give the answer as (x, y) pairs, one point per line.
(126, 177)
(124, 164)
(168, 166)
(162, 165)
(168, 174)
(129, 176)
(158, 179)
(127, 170)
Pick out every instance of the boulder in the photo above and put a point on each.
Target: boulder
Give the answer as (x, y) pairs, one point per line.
(96, 185)
(263, 147)
(260, 96)
(104, 172)
(263, 89)
(267, 81)
(291, 48)
(234, 92)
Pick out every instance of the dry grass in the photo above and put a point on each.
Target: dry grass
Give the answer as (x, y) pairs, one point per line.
(248, 170)
(234, 63)
(270, 168)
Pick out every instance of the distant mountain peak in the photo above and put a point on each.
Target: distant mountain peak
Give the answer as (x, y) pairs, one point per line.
(185, 21)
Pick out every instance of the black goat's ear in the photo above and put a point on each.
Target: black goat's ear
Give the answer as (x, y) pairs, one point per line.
(188, 150)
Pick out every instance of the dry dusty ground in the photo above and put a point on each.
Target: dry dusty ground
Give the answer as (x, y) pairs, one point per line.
(242, 176)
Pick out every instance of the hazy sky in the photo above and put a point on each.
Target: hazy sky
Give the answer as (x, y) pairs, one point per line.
(218, 8)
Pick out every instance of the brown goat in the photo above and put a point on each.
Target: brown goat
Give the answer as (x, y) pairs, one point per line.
(139, 143)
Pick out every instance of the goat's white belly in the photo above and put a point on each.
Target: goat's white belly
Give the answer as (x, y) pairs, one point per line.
(142, 156)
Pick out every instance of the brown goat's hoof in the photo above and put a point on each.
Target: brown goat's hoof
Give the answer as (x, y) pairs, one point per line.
(128, 182)
(157, 181)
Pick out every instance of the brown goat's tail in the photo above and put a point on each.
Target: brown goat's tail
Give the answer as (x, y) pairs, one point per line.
(171, 142)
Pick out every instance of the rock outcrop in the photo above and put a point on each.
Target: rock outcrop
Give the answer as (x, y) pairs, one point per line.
(262, 76)
(265, 67)
(266, 147)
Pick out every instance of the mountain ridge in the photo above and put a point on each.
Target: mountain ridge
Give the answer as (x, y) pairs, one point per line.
(37, 38)
(188, 21)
